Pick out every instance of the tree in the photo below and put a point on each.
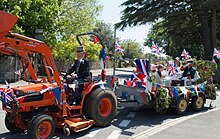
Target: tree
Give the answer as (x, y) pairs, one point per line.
(77, 16)
(183, 34)
(106, 33)
(60, 19)
(132, 49)
(67, 49)
(33, 15)
(139, 12)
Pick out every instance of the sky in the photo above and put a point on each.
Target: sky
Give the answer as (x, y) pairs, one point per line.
(111, 14)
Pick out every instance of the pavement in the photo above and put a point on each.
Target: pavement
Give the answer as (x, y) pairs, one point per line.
(202, 125)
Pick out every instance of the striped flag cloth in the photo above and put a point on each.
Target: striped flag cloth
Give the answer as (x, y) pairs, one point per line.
(118, 48)
(185, 54)
(155, 48)
(6, 94)
(172, 70)
(142, 66)
(216, 53)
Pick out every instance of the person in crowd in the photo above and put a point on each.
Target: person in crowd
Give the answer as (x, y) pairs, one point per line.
(158, 74)
(79, 72)
(190, 75)
(177, 63)
(175, 78)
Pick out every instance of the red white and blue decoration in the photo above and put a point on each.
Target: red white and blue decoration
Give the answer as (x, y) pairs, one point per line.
(185, 54)
(155, 48)
(216, 53)
(118, 48)
(6, 94)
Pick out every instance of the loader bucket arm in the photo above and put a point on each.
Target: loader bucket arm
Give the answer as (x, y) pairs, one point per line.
(6, 23)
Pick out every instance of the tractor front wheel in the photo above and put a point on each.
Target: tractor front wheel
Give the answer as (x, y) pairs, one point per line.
(41, 127)
(101, 106)
(11, 126)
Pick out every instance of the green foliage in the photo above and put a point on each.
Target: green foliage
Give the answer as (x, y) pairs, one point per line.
(67, 49)
(210, 91)
(106, 33)
(92, 50)
(205, 69)
(182, 24)
(77, 16)
(132, 49)
(33, 15)
(163, 100)
(59, 19)
(173, 37)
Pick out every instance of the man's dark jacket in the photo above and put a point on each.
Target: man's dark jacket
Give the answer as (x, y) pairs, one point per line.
(84, 69)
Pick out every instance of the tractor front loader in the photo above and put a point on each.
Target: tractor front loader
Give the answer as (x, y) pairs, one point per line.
(40, 107)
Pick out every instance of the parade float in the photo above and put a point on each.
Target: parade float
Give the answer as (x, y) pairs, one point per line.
(139, 89)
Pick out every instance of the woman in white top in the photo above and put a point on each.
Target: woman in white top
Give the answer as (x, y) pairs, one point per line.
(158, 74)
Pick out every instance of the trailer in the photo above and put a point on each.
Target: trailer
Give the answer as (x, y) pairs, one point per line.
(138, 89)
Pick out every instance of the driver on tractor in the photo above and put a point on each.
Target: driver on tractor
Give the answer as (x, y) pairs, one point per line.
(79, 72)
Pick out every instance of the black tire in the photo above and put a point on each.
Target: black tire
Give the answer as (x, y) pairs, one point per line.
(40, 123)
(181, 106)
(197, 103)
(11, 126)
(101, 106)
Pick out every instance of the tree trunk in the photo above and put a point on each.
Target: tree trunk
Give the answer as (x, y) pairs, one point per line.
(214, 29)
(203, 16)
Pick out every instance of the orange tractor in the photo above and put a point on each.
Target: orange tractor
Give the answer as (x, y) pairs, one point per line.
(42, 106)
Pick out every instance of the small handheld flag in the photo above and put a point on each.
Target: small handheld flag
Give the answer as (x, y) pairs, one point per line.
(118, 48)
(185, 54)
(155, 48)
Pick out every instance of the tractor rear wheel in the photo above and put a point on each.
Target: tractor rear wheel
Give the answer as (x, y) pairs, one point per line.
(11, 126)
(181, 106)
(198, 102)
(101, 106)
(41, 127)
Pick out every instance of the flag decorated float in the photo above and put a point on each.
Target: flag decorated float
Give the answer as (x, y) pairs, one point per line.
(140, 89)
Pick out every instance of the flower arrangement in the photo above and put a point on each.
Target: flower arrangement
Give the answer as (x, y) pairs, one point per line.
(205, 69)
(163, 100)
(210, 91)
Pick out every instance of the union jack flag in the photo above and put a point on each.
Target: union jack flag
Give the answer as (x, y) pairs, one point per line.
(216, 53)
(138, 82)
(142, 65)
(118, 48)
(172, 71)
(185, 54)
(155, 48)
(7, 95)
